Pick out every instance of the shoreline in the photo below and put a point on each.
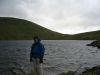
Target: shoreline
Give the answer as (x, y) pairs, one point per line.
(95, 44)
(92, 71)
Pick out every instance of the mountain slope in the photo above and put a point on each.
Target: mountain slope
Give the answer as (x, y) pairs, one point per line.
(94, 35)
(13, 28)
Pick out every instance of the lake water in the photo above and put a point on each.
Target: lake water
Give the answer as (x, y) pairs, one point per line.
(60, 56)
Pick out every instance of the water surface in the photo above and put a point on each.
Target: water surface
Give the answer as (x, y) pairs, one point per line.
(60, 56)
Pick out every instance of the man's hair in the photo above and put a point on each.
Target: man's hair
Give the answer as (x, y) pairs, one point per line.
(36, 37)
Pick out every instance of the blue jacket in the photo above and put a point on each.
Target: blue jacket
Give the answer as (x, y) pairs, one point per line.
(37, 50)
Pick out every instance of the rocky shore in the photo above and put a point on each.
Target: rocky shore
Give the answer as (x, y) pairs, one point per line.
(13, 71)
(95, 44)
(93, 71)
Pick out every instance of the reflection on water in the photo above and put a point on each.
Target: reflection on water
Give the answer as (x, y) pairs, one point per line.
(60, 56)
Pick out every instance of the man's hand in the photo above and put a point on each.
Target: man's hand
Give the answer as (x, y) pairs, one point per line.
(41, 60)
(30, 59)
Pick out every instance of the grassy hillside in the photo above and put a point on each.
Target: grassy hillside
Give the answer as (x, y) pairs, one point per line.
(13, 28)
(94, 35)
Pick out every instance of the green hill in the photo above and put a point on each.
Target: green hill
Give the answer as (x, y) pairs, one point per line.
(13, 29)
(94, 35)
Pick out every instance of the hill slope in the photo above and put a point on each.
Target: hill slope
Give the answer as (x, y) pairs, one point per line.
(94, 35)
(13, 28)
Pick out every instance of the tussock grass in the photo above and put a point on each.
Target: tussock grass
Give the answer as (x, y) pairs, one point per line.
(19, 29)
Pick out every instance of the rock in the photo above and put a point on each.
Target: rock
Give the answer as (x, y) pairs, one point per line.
(13, 71)
(93, 71)
(17, 71)
(68, 73)
(95, 44)
(92, 44)
(6, 73)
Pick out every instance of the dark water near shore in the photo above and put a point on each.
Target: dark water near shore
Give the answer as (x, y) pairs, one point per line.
(60, 56)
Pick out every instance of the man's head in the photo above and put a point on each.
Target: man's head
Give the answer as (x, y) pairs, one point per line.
(36, 39)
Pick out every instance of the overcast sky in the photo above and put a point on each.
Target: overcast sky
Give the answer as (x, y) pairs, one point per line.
(65, 16)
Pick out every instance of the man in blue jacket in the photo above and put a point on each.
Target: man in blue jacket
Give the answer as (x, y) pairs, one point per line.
(36, 55)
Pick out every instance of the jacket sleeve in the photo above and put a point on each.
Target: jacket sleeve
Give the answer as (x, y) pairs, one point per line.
(31, 51)
(42, 51)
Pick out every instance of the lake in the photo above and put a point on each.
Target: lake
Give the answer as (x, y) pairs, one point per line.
(60, 56)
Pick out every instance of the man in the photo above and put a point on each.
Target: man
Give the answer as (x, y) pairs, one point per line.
(36, 55)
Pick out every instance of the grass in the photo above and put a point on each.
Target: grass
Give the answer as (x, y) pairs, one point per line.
(94, 35)
(98, 43)
(32, 73)
(18, 29)
(92, 71)
(68, 73)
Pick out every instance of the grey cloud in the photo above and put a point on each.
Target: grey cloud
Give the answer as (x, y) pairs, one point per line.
(66, 16)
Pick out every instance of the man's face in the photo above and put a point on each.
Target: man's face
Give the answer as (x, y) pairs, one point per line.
(35, 40)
